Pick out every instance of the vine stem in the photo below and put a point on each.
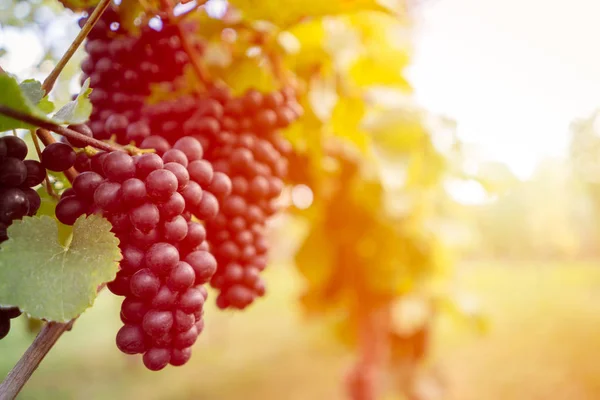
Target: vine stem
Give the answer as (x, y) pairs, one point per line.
(199, 69)
(20, 374)
(95, 16)
(51, 126)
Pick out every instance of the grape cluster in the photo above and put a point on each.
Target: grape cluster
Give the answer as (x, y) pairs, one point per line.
(17, 198)
(17, 178)
(241, 137)
(122, 68)
(149, 200)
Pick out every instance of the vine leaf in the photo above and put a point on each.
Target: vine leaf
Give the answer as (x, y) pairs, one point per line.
(22, 98)
(77, 111)
(32, 89)
(79, 5)
(54, 282)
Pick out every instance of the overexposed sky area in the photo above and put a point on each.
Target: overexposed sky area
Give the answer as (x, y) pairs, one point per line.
(512, 73)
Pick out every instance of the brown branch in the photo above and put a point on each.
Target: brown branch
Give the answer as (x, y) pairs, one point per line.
(20, 374)
(51, 126)
(96, 14)
(199, 69)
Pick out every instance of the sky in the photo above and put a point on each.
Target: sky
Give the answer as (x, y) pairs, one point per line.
(512, 73)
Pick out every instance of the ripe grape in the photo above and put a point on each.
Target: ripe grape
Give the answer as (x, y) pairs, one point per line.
(58, 157)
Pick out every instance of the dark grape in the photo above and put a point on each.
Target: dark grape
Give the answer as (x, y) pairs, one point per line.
(13, 171)
(58, 157)
(14, 204)
(15, 147)
(35, 173)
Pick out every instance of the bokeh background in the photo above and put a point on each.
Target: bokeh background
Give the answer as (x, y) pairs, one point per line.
(520, 82)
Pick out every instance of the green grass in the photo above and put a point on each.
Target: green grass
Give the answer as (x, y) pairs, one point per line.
(544, 343)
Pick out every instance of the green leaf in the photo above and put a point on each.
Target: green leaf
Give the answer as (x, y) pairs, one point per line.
(14, 96)
(54, 282)
(77, 111)
(32, 89)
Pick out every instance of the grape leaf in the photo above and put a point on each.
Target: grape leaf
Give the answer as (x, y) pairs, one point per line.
(79, 5)
(18, 98)
(297, 10)
(52, 282)
(32, 89)
(77, 111)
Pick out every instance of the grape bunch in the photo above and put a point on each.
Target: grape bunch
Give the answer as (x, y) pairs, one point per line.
(17, 178)
(149, 200)
(242, 140)
(122, 68)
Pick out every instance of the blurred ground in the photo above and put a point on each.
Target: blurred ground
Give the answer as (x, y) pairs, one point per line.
(543, 341)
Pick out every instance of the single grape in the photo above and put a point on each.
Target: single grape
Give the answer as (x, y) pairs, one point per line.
(161, 184)
(182, 276)
(176, 156)
(191, 147)
(186, 339)
(34, 200)
(107, 196)
(4, 326)
(133, 310)
(160, 144)
(201, 171)
(14, 204)
(180, 357)
(13, 172)
(157, 323)
(208, 207)
(183, 322)
(133, 192)
(86, 183)
(144, 284)
(131, 340)
(145, 217)
(58, 157)
(35, 173)
(15, 147)
(161, 258)
(147, 163)
(180, 172)
(157, 358)
(191, 300)
(220, 185)
(173, 207)
(118, 166)
(203, 263)
(165, 298)
(175, 230)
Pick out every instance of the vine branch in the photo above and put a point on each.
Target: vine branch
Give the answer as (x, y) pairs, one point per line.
(51, 126)
(96, 14)
(199, 69)
(20, 374)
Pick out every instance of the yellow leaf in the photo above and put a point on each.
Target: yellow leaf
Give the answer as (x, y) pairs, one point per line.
(346, 120)
(129, 10)
(249, 73)
(396, 131)
(293, 11)
(380, 69)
